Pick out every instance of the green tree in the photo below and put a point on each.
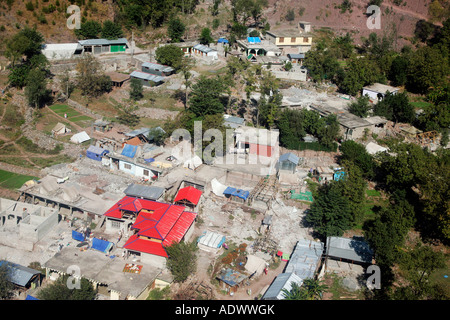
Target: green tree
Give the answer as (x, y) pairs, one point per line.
(169, 55)
(291, 126)
(18, 75)
(182, 261)
(89, 30)
(427, 68)
(36, 90)
(127, 116)
(27, 42)
(90, 77)
(360, 107)
(330, 213)
(398, 73)
(290, 15)
(205, 97)
(356, 153)
(296, 292)
(111, 30)
(328, 132)
(136, 90)
(6, 286)
(60, 291)
(176, 29)
(205, 37)
(395, 107)
(417, 265)
(359, 73)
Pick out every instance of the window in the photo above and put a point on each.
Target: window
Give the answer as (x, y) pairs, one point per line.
(281, 39)
(305, 39)
(146, 173)
(115, 224)
(127, 166)
(293, 39)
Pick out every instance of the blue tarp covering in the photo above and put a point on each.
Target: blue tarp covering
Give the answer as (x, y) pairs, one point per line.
(129, 151)
(101, 245)
(30, 298)
(77, 235)
(254, 39)
(237, 193)
(149, 160)
(222, 40)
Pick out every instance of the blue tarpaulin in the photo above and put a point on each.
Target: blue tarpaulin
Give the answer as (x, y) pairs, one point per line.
(222, 40)
(254, 39)
(30, 297)
(237, 193)
(101, 245)
(149, 160)
(129, 151)
(77, 235)
(95, 153)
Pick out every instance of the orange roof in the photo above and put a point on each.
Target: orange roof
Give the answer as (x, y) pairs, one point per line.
(134, 141)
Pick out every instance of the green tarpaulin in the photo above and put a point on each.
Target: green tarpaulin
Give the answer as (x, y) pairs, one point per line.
(304, 196)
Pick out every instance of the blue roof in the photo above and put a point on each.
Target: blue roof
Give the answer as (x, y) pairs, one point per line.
(222, 40)
(96, 150)
(129, 151)
(237, 192)
(101, 245)
(30, 297)
(289, 157)
(254, 39)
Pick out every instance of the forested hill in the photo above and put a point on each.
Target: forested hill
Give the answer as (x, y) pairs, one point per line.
(148, 17)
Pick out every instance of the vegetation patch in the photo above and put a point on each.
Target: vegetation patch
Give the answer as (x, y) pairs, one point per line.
(11, 180)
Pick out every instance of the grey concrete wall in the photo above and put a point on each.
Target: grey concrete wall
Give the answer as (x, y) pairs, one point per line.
(153, 260)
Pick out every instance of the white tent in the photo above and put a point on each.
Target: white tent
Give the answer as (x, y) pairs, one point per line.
(80, 137)
(255, 265)
(211, 241)
(373, 148)
(217, 187)
(193, 163)
(60, 128)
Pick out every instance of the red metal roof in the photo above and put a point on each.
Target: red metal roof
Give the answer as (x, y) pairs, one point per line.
(189, 193)
(142, 245)
(179, 229)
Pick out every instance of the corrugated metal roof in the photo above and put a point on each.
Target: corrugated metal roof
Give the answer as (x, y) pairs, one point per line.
(189, 193)
(157, 67)
(136, 132)
(231, 277)
(146, 192)
(296, 55)
(290, 157)
(305, 258)
(282, 281)
(96, 150)
(203, 48)
(19, 275)
(146, 76)
(212, 239)
(97, 42)
(350, 249)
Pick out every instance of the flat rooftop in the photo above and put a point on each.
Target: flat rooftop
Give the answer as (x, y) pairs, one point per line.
(100, 268)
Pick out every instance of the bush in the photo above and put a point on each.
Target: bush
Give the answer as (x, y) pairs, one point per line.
(29, 6)
(290, 15)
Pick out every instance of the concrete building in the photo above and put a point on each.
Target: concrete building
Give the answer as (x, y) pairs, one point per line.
(205, 51)
(147, 79)
(354, 250)
(377, 91)
(258, 48)
(261, 142)
(157, 69)
(98, 46)
(291, 41)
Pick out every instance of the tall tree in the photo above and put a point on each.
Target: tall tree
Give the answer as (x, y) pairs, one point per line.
(176, 29)
(205, 37)
(36, 90)
(90, 77)
(360, 107)
(169, 55)
(6, 287)
(91, 29)
(111, 30)
(27, 42)
(395, 107)
(205, 96)
(136, 89)
(182, 260)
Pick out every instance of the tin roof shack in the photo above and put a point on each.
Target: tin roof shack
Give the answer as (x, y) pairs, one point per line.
(96, 153)
(296, 58)
(111, 275)
(186, 47)
(148, 80)
(157, 69)
(354, 250)
(205, 51)
(98, 46)
(377, 91)
(231, 280)
(288, 163)
(144, 192)
(22, 277)
(282, 281)
(102, 126)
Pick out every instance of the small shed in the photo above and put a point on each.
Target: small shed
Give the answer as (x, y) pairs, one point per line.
(117, 78)
(211, 241)
(22, 277)
(231, 280)
(237, 195)
(96, 153)
(377, 91)
(288, 162)
(188, 196)
(102, 125)
(206, 51)
(296, 57)
(157, 69)
(147, 79)
(255, 265)
(80, 137)
(354, 250)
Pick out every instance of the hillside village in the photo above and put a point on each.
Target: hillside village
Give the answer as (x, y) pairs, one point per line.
(109, 173)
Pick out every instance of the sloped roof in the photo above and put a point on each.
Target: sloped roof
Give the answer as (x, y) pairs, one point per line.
(254, 39)
(80, 137)
(350, 249)
(305, 258)
(93, 42)
(157, 67)
(146, 76)
(282, 281)
(141, 245)
(237, 192)
(289, 157)
(211, 239)
(189, 193)
(19, 275)
(135, 141)
(129, 151)
(96, 150)
(203, 48)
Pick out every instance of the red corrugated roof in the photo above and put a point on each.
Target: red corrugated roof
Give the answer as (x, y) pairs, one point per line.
(134, 141)
(142, 245)
(189, 193)
(179, 230)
